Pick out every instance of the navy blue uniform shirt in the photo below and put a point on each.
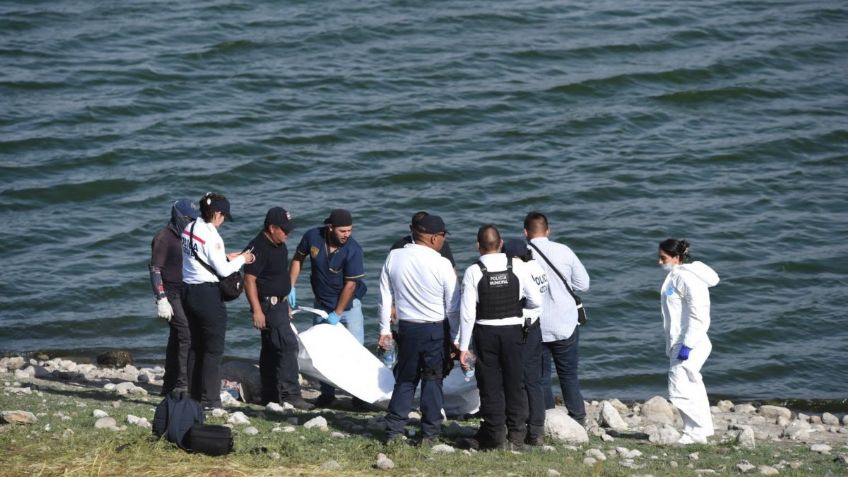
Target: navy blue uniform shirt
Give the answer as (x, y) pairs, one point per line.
(330, 270)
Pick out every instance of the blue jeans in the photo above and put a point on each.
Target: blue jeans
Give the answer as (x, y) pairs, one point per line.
(354, 322)
(564, 355)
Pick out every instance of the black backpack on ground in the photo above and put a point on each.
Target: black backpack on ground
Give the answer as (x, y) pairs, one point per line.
(174, 416)
(210, 440)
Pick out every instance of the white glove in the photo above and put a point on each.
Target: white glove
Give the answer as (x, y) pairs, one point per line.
(163, 309)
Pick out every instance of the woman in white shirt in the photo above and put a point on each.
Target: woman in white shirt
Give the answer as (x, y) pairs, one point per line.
(204, 307)
(685, 302)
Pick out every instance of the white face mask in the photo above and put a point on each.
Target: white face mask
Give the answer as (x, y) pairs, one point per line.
(667, 266)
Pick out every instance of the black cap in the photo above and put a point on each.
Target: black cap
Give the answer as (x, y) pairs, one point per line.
(339, 218)
(515, 248)
(281, 218)
(222, 205)
(432, 224)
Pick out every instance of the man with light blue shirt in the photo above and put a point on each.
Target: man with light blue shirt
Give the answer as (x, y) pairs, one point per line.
(560, 333)
(337, 269)
(422, 287)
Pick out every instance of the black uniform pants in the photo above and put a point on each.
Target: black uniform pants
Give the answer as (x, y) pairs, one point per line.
(278, 356)
(500, 380)
(179, 342)
(533, 381)
(207, 319)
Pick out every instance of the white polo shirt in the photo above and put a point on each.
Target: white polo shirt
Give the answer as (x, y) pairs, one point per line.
(494, 262)
(422, 286)
(210, 247)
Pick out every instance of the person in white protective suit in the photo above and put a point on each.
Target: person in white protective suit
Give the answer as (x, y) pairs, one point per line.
(685, 303)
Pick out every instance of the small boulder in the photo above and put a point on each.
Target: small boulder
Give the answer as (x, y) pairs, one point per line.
(331, 465)
(442, 449)
(97, 413)
(105, 423)
(611, 418)
(559, 425)
(744, 408)
(383, 462)
(773, 412)
(18, 417)
(724, 406)
(658, 410)
(665, 435)
(317, 423)
(596, 454)
(820, 448)
(746, 438)
(745, 467)
(238, 418)
(115, 359)
(589, 461)
(829, 419)
(251, 431)
(552, 473)
(768, 470)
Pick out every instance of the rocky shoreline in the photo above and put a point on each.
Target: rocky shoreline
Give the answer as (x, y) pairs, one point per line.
(742, 425)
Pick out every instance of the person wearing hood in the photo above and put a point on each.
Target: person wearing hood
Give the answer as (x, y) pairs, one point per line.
(685, 304)
(166, 278)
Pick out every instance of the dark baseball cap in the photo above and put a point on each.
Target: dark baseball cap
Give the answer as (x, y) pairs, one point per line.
(281, 218)
(222, 205)
(432, 224)
(339, 218)
(515, 248)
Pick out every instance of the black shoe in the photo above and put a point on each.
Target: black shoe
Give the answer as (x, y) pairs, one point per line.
(516, 446)
(299, 403)
(428, 442)
(534, 441)
(324, 400)
(468, 443)
(359, 404)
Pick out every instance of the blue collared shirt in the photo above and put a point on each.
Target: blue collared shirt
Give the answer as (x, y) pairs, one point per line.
(330, 270)
(559, 312)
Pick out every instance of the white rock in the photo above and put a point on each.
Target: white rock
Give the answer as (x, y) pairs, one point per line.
(338, 435)
(383, 462)
(105, 423)
(238, 418)
(98, 413)
(251, 431)
(552, 473)
(820, 448)
(829, 419)
(316, 422)
(725, 406)
(745, 467)
(414, 415)
(658, 410)
(607, 438)
(25, 374)
(109, 386)
(18, 417)
(331, 465)
(768, 470)
(273, 407)
(704, 472)
(20, 390)
(597, 454)
(559, 425)
(289, 429)
(589, 461)
(442, 449)
(218, 412)
(782, 421)
(124, 388)
(797, 430)
(551, 448)
(746, 438)
(773, 412)
(611, 418)
(802, 417)
(665, 435)
(845, 420)
(744, 408)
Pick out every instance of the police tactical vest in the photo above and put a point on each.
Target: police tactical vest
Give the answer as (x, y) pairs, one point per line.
(498, 294)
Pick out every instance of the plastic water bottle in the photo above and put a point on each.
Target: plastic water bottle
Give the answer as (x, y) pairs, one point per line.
(388, 355)
(471, 360)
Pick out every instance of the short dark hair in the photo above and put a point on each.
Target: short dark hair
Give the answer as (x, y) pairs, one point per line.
(489, 238)
(676, 248)
(535, 222)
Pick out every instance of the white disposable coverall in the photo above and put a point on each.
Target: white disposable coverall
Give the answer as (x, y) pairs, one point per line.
(685, 300)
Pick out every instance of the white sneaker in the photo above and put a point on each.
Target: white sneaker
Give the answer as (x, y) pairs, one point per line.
(686, 439)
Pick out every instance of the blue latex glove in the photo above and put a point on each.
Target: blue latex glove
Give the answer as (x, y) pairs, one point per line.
(683, 355)
(333, 318)
(293, 298)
